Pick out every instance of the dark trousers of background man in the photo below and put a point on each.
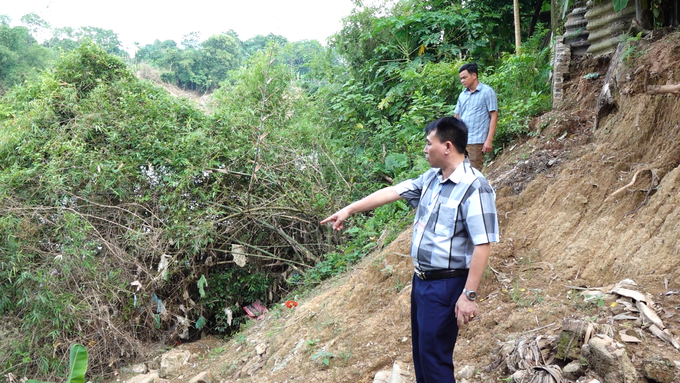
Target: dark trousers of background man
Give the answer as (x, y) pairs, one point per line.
(434, 328)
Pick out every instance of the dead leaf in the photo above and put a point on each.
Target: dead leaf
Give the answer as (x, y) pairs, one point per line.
(638, 296)
(664, 336)
(627, 338)
(649, 315)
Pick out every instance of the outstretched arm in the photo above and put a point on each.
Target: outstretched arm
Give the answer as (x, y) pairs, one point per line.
(377, 199)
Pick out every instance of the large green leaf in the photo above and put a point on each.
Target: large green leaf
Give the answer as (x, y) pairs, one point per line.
(619, 4)
(77, 364)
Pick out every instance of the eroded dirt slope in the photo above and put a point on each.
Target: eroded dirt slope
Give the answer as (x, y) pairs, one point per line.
(571, 218)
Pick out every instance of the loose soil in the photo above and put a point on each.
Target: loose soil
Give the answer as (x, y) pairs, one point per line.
(564, 228)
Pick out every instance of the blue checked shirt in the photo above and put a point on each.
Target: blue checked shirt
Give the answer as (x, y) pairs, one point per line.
(453, 215)
(473, 109)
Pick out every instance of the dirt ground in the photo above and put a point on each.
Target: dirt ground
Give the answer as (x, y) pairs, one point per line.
(580, 209)
(152, 74)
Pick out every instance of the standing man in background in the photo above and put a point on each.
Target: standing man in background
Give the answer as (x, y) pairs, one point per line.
(477, 107)
(455, 223)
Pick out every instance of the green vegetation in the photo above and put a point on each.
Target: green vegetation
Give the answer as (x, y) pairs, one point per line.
(118, 199)
(20, 55)
(77, 365)
(323, 356)
(128, 215)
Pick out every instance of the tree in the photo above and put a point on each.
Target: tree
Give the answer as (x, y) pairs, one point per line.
(20, 56)
(221, 53)
(192, 40)
(518, 35)
(35, 24)
(260, 42)
(105, 38)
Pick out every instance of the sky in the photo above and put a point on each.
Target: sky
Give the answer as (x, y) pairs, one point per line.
(144, 21)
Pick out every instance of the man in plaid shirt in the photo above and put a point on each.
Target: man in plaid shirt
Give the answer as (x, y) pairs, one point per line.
(454, 226)
(477, 106)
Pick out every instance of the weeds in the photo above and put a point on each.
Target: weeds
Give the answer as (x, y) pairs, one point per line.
(323, 356)
(522, 298)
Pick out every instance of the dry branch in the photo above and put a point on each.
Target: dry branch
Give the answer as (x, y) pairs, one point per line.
(663, 89)
(632, 182)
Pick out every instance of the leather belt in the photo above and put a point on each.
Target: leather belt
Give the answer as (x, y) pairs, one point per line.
(441, 274)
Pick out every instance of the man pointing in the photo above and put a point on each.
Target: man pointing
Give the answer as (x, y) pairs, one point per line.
(454, 226)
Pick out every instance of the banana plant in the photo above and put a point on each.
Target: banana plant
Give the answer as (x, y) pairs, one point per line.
(77, 365)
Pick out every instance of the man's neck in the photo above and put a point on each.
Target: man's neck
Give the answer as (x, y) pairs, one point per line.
(452, 165)
(474, 86)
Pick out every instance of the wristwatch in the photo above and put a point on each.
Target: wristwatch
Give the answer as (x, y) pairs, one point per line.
(471, 295)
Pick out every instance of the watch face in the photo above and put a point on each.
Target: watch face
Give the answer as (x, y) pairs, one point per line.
(471, 294)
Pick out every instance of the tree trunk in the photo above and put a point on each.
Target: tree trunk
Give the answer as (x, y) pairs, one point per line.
(518, 36)
(534, 17)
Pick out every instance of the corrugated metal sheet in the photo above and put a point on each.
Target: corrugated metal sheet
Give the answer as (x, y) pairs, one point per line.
(576, 34)
(606, 28)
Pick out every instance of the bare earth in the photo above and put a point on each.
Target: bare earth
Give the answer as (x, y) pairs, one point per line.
(568, 223)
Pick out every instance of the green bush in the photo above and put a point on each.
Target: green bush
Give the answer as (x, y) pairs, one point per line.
(522, 85)
(117, 199)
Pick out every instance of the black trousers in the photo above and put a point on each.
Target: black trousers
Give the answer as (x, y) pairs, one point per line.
(434, 327)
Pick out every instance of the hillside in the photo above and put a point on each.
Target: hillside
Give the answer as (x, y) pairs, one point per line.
(580, 209)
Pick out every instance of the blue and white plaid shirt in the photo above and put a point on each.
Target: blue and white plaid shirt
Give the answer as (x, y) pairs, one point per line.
(453, 215)
(473, 109)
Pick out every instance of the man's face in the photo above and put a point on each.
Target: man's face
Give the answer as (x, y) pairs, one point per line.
(434, 150)
(467, 79)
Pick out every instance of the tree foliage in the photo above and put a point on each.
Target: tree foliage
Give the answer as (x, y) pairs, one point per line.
(197, 66)
(20, 55)
(116, 198)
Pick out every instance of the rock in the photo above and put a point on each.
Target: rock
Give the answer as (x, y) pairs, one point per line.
(660, 370)
(139, 368)
(253, 365)
(617, 308)
(387, 376)
(260, 348)
(466, 372)
(203, 377)
(573, 370)
(395, 376)
(172, 361)
(382, 377)
(151, 377)
(609, 360)
(136, 369)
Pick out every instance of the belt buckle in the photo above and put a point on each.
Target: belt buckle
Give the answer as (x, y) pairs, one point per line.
(421, 274)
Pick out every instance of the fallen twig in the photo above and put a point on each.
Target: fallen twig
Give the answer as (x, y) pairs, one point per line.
(631, 183)
(582, 288)
(649, 191)
(539, 328)
(662, 89)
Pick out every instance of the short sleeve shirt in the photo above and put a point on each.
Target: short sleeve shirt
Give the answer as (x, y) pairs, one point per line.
(453, 215)
(473, 109)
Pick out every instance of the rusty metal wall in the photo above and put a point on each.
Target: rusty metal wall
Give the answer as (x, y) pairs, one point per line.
(576, 34)
(607, 28)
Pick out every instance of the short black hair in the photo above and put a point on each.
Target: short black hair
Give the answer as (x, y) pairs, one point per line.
(450, 129)
(470, 67)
